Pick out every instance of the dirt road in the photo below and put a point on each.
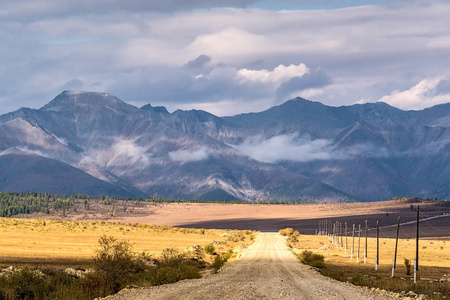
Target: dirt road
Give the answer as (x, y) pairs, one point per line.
(267, 270)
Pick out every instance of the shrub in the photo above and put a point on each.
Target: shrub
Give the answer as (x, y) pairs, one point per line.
(114, 260)
(286, 231)
(209, 248)
(175, 266)
(312, 259)
(357, 279)
(92, 285)
(219, 261)
(24, 284)
(408, 266)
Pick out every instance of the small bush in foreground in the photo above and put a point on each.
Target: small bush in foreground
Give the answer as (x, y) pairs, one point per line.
(312, 259)
(286, 231)
(219, 261)
(408, 266)
(114, 260)
(175, 266)
(210, 248)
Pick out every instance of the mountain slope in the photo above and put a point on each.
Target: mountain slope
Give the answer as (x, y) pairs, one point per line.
(297, 151)
(32, 173)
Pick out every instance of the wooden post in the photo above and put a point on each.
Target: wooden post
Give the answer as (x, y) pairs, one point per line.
(394, 262)
(378, 246)
(340, 227)
(345, 237)
(334, 232)
(359, 242)
(353, 243)
(365, 251)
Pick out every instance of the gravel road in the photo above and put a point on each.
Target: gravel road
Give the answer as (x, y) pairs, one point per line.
(267, 270)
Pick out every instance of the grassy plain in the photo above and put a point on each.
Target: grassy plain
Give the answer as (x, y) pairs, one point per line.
(434, 263)
(72, 243)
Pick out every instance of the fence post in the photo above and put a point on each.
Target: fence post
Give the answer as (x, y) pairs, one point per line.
(345, 237)
(359, 242)
(365, 251)
(353, 242)
(378, 246)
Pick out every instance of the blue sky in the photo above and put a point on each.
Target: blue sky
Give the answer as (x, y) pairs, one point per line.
(226, 57)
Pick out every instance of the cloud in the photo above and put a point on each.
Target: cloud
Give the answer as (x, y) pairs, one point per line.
(199, 84)
(277, 76)
(127, 149)
(48, 8)
(189, 155)
(427, 92)
(292, 147)
(170, 54)
(199, 62)
(294, 86)
(286, 147)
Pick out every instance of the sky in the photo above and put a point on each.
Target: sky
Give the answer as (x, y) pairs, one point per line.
(226, 57)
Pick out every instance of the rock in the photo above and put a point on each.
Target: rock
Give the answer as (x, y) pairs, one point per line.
(74, 273)
(326, 247)
(411, 294)
(423, 297)
(195, 250)
(445, 278)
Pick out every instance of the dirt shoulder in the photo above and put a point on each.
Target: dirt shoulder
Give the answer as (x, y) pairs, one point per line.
(267, 270)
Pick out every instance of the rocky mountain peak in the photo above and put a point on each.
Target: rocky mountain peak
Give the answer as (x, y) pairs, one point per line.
(72, 100)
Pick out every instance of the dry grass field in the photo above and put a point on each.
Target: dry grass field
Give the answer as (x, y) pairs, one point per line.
(434, 263)
(72, 243)
(434, 255)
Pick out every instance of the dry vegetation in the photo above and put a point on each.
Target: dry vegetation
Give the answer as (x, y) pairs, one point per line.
(434, 258)
(116, 254)
(71, 243)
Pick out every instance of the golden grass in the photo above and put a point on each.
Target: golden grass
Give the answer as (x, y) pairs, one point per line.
(434, 262)
(25, 240)
(432, 253)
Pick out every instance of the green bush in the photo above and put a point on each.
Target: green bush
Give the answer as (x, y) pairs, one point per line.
(219, 261)
(408, 266)
(114, 260)
(312, 259)
(175, 266)
(286, 231)
(24, 284)
(210, 248)
(357, 279)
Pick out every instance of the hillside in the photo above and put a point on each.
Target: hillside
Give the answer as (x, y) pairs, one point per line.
(298, 151)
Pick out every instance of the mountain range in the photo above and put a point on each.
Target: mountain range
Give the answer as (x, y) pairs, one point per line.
(94, 143)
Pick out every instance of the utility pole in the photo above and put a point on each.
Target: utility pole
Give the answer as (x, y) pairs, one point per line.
(416, 260)
(394, 262)
(378, 246)
(365, 251)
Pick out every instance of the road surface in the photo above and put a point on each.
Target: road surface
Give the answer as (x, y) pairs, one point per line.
(267, 270)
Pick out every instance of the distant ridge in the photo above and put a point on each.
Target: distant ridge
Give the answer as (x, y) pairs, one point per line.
(297, 151)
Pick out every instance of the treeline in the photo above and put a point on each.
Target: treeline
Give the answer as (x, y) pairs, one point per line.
(26, 203)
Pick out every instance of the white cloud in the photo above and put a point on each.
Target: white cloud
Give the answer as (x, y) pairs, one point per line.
(366, 51)
(291, 147)
(286, 147)
(189, 155)
(127, 149)
(277, 75)
(421, 95)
